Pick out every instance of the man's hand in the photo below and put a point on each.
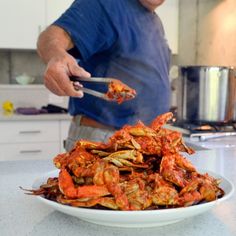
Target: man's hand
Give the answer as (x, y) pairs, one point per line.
(56, 77)
(52, 47)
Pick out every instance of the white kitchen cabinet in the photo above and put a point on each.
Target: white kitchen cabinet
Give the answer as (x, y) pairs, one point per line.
(54, 9)
(169, 14)
(28, 151)
(20, 23)
(29, 131)
(22, 140)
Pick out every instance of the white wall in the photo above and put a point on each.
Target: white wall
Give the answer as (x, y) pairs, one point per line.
(207, 32)
(217, 35)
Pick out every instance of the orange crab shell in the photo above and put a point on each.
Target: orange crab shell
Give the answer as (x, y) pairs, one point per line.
(120, 92)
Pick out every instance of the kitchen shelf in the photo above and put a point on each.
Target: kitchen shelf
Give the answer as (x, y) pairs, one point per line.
(32, 95)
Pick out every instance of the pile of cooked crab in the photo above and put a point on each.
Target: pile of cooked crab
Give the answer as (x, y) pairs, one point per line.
(140, 168)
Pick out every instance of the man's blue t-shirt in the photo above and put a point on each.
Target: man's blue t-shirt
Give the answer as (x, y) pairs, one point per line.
(120, 39)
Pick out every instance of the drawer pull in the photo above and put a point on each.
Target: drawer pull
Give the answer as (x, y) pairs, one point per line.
(30, 132)
(30, 151)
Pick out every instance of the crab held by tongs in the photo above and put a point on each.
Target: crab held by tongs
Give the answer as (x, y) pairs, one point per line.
(117, 91)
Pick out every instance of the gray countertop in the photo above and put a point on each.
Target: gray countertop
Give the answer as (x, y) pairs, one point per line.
(21, 214)
(39, 117)
(216, 143)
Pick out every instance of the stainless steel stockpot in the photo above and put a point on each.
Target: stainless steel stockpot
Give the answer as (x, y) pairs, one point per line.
(206, 94)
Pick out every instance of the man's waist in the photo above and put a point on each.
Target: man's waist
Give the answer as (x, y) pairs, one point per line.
(89, 122)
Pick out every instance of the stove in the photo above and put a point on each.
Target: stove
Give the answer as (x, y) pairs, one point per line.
(204, 131)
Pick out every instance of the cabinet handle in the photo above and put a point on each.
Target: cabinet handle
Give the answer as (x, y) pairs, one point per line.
(30, 151)
(30, 132)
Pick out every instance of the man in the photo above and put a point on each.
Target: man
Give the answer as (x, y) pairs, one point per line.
(123, 39)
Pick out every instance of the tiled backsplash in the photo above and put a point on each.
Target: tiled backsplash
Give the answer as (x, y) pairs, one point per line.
(16, 62)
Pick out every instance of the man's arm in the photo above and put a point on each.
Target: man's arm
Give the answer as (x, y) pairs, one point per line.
(51, 41)
(52, 47)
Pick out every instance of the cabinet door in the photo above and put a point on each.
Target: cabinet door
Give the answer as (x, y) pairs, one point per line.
(54, 9)
(20, 23)
(169, 14)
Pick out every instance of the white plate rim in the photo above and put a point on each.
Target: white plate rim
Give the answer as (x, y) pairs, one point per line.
(144, 212)
(90, 215)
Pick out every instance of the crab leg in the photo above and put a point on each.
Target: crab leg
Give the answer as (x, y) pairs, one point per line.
(68, 188)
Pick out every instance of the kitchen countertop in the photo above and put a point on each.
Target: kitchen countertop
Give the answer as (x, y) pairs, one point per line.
(216, 143)
(40, 117)
(21, 214)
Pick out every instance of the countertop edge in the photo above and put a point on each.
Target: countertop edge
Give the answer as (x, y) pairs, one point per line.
(39, 117)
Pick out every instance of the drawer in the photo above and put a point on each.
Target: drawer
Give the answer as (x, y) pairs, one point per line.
(29, 131)
(11, 152)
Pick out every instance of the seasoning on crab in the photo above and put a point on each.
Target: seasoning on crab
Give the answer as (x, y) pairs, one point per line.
(119, 91)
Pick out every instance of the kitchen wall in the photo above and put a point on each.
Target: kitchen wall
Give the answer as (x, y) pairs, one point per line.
(207, 36)
(207, 32)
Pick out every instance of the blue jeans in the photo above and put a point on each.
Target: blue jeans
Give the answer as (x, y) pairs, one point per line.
(78, 131)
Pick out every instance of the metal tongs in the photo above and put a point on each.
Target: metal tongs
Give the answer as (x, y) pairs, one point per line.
(90, 91)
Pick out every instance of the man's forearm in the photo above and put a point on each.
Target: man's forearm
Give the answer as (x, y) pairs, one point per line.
(53, 41)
